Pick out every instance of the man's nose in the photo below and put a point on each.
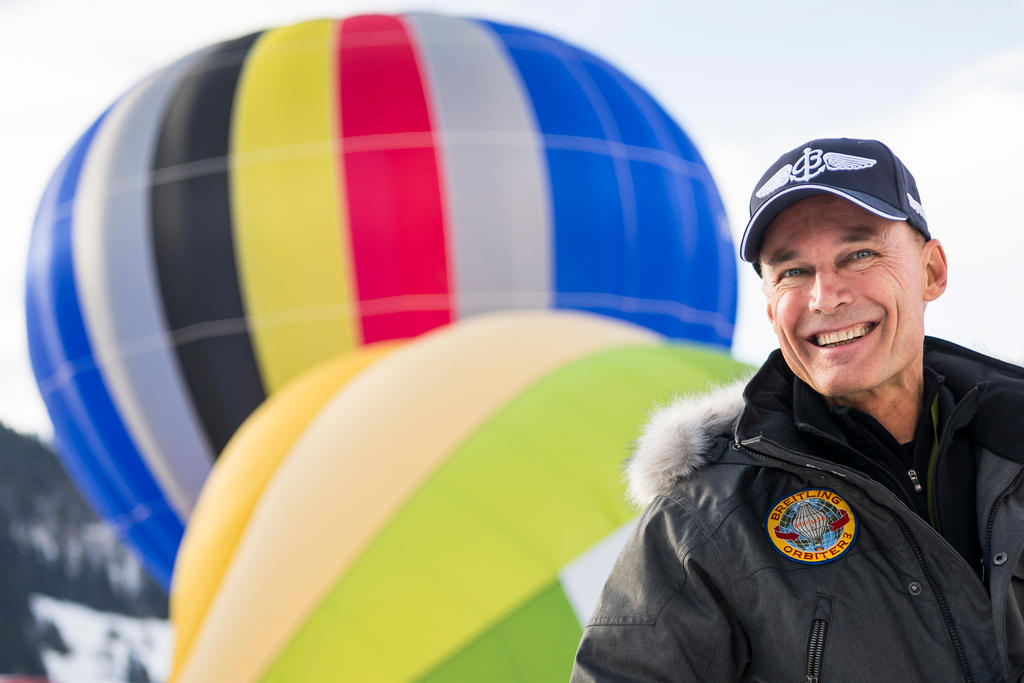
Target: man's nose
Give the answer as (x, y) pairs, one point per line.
(830, 291)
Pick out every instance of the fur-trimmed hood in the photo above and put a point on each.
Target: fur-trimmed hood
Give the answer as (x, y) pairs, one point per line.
(677, 438)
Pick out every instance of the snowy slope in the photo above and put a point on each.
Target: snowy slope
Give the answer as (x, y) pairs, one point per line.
(102, 647)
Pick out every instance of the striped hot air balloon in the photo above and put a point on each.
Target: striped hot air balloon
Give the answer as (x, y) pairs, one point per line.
(269, 202)
(448, 513)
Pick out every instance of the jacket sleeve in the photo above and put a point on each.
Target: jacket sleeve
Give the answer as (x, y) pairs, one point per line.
(661, 616)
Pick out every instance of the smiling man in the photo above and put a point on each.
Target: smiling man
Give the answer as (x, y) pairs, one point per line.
(846, 293)
(854, 512)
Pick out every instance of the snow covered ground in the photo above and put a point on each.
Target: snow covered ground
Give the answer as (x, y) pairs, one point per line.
(103, 647)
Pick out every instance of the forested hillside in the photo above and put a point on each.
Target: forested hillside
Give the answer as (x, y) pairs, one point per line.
(52, 544)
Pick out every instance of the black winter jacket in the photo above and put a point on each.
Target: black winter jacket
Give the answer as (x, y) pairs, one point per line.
(759, 558)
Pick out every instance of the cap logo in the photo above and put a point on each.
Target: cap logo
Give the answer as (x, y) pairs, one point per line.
(811, 527)
(812, 163)
(916, 206)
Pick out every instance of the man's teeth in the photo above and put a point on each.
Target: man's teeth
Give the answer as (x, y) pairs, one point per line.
(836, 338)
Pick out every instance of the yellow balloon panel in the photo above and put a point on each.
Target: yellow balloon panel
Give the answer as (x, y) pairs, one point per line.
(290, 226)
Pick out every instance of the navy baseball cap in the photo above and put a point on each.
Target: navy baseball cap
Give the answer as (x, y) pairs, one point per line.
(865, 172)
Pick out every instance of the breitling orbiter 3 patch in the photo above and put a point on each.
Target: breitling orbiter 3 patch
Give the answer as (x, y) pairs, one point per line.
(813, 526)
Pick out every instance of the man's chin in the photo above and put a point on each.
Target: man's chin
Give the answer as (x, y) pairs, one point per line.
(838, 387)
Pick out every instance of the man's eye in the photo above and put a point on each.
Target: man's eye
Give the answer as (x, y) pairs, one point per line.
(861, 253)
(792, 272)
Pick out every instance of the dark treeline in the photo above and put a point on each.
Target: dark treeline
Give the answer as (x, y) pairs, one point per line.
(44, 524)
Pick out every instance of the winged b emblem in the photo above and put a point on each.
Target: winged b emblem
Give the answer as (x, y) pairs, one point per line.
(809, 165)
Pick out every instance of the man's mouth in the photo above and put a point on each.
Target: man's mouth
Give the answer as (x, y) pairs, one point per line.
(842, 337)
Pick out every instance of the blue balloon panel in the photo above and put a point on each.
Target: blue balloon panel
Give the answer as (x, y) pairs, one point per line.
(92, 441)
(631, 197)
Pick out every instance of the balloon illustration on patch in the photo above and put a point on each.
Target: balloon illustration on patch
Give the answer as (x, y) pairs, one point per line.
(812, 527)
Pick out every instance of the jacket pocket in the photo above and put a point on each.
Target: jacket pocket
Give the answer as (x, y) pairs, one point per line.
(817, 638)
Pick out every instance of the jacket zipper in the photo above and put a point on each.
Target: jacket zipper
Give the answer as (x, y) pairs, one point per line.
(1000, 499)
(947, 615)
(816, 649)
(940, 597)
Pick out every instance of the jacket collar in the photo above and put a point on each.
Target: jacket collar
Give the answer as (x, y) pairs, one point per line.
(677, 440)
(996, 386)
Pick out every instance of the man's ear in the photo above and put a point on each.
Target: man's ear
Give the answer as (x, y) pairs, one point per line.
(936, 271)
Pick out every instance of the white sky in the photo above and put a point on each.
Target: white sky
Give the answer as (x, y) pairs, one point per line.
(941, 82)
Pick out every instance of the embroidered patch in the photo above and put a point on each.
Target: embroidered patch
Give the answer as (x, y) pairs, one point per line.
(813, 526)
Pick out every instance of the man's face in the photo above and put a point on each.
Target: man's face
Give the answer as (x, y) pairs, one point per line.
(846, 295)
